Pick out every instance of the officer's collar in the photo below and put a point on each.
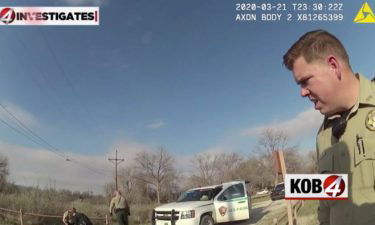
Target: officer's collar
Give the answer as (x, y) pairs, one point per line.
(365, 97)
(366, 91)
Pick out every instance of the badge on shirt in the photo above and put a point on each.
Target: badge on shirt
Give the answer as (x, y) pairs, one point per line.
(370, 120)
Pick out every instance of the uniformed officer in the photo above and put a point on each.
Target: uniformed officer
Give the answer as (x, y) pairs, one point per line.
(68, 216)
(81, 219)
(346, 139)
(120, 207)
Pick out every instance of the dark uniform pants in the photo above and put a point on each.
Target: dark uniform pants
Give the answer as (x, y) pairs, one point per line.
(122, 216)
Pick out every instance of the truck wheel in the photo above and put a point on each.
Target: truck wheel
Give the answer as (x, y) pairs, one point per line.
(206, 220)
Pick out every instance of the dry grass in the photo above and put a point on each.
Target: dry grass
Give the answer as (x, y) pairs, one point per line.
(308, 213)
(260, 198)
(53, 203)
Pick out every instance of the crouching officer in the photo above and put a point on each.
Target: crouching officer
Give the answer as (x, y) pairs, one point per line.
(120, 207)
(82, 219)
(69, 216)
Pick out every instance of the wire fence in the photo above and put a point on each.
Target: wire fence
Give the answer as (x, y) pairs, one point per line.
(21, 215)
(281, 220)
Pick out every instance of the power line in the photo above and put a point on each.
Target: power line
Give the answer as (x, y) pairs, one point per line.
(101, 172)
(32, 136)
(70, 84)
(24, 127)
(28, 129)
(67, 80)
(53, 89)
(23, 134)
(62, 73)
(20, 128)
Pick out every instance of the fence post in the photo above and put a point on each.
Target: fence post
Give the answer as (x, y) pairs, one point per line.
(298, 205)
(21, 216)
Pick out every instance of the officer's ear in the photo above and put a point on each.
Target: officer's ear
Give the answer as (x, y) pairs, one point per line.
(335, 65)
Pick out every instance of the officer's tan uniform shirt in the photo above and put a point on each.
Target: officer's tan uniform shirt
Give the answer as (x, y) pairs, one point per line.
(67, 217)
(118, 202)
(354, 154)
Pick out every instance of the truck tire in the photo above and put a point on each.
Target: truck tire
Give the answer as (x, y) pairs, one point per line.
(206, 220)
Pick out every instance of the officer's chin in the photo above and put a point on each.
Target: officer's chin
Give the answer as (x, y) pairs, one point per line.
(325, 112)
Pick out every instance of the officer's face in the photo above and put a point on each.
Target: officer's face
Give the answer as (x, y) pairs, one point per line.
(318, 82)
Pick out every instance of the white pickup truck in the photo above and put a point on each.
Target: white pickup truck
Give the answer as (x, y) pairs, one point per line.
(206, 206)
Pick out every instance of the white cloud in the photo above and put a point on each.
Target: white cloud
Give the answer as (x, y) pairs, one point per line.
(156, 124)
(35, 166)
(128, 150)
(40, 167)
(304, 124)
(17, 111)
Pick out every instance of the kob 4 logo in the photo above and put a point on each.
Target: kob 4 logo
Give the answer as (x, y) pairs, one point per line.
(7, 15)
(316, 186)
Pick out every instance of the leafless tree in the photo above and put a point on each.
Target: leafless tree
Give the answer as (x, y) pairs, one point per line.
(154, 168)
(4, 171)
(229, 165)
(205, 169)
(294, 161)
(109, 189)
(311, 162)
(129, 183)
(270, 141)
(214, 168)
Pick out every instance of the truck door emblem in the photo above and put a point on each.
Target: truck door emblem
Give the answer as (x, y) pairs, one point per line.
(222, 210)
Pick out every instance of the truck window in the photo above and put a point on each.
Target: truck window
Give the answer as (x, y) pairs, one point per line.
(216, 191)
(199, 195)
(234, 191)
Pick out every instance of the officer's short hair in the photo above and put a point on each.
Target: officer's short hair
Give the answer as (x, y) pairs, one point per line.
(315, 45)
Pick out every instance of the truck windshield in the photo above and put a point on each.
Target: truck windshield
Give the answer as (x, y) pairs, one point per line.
(199, 194)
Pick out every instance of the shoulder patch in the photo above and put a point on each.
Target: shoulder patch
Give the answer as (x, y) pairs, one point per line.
(370, 120)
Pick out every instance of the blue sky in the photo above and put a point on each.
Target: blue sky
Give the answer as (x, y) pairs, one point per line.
(183, 74)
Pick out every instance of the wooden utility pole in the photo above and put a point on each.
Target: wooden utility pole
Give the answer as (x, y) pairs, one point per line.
(117, 161)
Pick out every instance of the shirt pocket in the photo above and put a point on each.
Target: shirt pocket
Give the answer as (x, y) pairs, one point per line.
(364, 150)
(364, 163)
(335, 159)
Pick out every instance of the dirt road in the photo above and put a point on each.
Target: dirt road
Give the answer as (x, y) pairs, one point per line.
(263, 213)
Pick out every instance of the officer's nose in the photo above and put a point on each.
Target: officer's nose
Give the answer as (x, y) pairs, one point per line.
(304, 92)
